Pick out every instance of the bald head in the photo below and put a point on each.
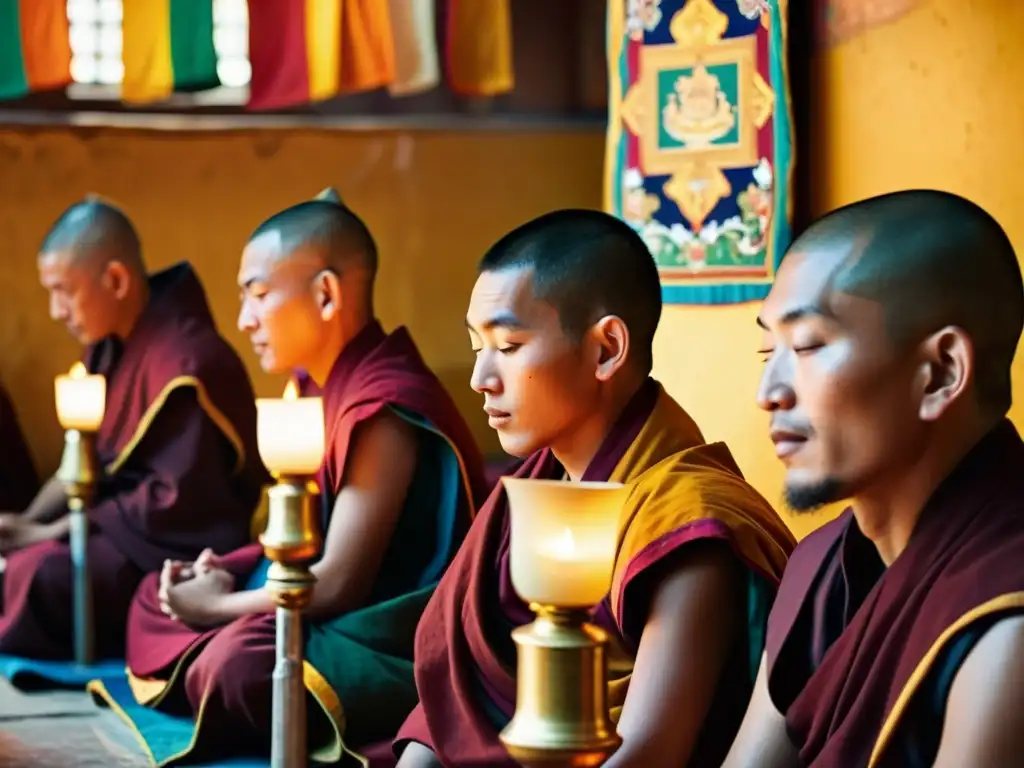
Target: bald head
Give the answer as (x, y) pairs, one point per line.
(96, 231)
(931, 259)
(587, 264)
(329, 229)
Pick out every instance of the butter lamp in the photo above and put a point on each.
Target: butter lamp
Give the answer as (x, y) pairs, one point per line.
(290, 437)
(81, 402)
(563, 541)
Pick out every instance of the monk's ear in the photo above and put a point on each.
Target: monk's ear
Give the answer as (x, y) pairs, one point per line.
(610, 337)
(946, 373)
(117, 279)
(327, 291)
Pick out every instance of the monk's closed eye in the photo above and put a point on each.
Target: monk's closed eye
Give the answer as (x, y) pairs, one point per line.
(765, 354)
(807, 349)
(508, 350)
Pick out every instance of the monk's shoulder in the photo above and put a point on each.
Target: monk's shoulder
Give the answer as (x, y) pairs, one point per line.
(197, 352)
(704, 476)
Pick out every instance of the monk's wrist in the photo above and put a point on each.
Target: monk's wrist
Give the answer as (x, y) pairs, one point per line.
(235, 605)
(58, 529)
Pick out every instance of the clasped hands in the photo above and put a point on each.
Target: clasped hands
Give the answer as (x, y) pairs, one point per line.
(192, 593)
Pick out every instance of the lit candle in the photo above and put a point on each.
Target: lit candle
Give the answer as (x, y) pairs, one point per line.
(290, 432)
(81, 399)
(564, 539)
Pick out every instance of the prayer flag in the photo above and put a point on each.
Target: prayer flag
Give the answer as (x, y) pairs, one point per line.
(167, 47)
(479, 47)
(414, 33)
(35, 52)
(312, 50)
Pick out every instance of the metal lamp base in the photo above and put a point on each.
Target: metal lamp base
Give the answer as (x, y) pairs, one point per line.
(561, 716)
(291, 541)
(79, 473)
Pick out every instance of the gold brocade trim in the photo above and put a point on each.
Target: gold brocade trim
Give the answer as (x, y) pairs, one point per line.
(764, 101)
(698, 24)
(995, 605)
(696, 188)
(99, 690)
(216, 416)
(633, 107)
(146, 689)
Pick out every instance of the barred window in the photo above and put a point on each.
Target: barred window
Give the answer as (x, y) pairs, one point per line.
(95, 35)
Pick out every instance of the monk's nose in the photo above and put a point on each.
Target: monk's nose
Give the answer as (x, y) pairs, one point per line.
(58, 310)
(484, 377)
(774, 395)
(246, 320)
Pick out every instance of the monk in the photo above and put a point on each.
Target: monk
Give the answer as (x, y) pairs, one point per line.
(897, 638)
(178, 438)
(400, 480)
(562, 320)
(19, 480)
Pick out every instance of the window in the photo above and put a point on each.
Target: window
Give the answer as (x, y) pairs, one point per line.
(97, 69)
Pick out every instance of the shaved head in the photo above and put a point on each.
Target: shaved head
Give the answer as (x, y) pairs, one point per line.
(306, 278)
(932, 259)
(95, 231)
(889, 334)
(91, 265)
(587, 264)
(328, 228)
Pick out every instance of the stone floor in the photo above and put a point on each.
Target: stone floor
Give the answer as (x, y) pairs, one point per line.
(62, 729)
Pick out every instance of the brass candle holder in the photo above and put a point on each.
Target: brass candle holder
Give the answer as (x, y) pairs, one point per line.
(291, 541)
(561, 716)
(562, 554)
(79, 473)
(290, 436)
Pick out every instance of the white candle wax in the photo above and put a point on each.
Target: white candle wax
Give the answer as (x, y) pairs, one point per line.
(81, 399)
(290, 433)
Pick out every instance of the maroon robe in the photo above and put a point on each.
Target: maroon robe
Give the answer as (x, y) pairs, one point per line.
(228, 669)
(685, 491)
(178, 441)
(19, 481)
(849, 640)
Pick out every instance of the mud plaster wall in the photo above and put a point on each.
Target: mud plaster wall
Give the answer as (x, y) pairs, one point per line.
(434, 200)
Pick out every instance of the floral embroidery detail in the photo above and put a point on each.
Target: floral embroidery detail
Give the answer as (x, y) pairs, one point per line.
(642, 16)
(753, 8)
(737, 240)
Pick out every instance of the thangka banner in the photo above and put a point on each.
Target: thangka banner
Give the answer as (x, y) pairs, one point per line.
(700, 142)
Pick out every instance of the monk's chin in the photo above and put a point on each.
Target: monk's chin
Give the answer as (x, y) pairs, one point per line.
(810, 497)
(518, 448)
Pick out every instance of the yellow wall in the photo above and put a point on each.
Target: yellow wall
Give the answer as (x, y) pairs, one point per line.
(434, 201)
(932, 100)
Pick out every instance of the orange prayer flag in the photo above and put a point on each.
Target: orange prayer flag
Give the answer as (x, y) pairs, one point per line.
(367, 46)
(480, 47)
(45, 46)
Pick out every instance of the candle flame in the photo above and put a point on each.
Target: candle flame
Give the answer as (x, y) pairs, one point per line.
(291, 390)
(78, 371)
(565, 545)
